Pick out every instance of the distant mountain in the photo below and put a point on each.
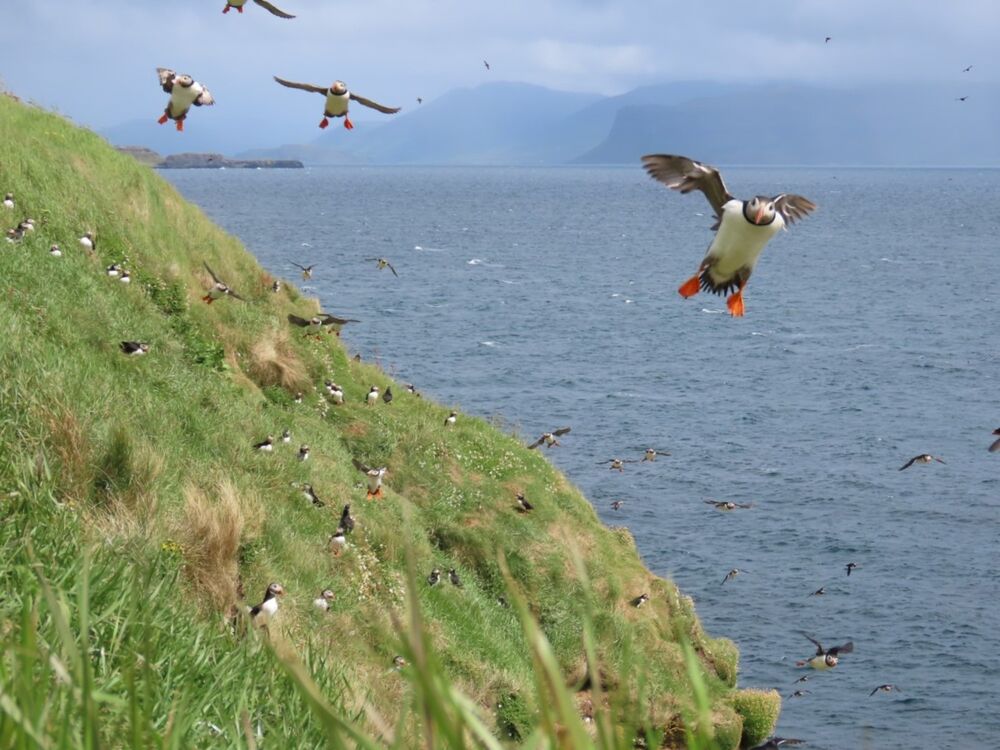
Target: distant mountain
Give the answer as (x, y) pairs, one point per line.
(308, 153)
(890, 125)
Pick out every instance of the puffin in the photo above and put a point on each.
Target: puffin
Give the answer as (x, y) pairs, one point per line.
(995, 447)
(346, 520)
(617, 464)
(549, 438)
(315, 324)
(966, 70)
(304, 453)
(387, 396)
(311, 496)
(8, 201)
(774, 743)
(727, 504)
(851, 566)
(297, 398)
(375, 477)
(335, 392)
(266, 445)
(27, 225)
(886, 688)
(372, 398)
(262, 613)
(125, 277)
(800, 694)
(732, 574)
(134, 348)
(184, 92)
(238, 4)
(412, 390)
(742, 228)
(486, 64)
(15, 235)
(286, 436)
(451, 419)
(434, 578)
(617, 504)
(219, 288)
(398, 662)
(825, 658)
(322, 602)
(276, 287)
(523, 506)
(381, 263)
(338, 542)
(821, 591)
(652, 453)
(453, 577)
(88, 242)
(338, 99)
(307, 271)
(55, 252)
(923, 458)
(113, 270)
(640, 600)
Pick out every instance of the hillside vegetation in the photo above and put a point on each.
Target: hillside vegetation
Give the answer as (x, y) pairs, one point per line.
(136, 521)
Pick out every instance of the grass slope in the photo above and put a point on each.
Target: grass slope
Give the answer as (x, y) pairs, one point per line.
(135, 514)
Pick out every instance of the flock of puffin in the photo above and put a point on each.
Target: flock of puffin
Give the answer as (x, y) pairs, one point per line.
(742, 229)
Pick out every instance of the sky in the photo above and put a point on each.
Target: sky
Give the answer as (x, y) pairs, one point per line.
(95, 60)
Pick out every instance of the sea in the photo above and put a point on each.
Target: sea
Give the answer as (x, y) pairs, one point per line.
(547, 297)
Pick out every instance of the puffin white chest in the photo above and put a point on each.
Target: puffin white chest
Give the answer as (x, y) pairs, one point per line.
(269, 608)
(738, 243)
(181, 97)
(336, 104)
(236, 3)
(819, 662)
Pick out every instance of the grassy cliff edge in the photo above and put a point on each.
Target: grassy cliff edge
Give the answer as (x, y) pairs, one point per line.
(135, 513)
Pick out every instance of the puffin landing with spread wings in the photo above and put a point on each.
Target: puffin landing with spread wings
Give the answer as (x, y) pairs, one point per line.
(742, 228)
(238, 4)
(338, 99)
(185, 92)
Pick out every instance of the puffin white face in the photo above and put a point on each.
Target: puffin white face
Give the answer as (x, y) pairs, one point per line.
(185, 80)
(328, 595)
(339, 88)
(275, 589)
(831, 660)
(759, 210)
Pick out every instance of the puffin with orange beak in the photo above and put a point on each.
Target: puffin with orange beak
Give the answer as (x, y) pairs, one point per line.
(742, 228)
(338, 100)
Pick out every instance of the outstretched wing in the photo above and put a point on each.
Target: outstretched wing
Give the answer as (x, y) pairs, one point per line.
(303, 268)
(537, 443)
(392, 269)
(303, 86)
(909, 463)
(231, 293)
(205, 98)
(166, 76)
(681, 173)
(845, 649)
(212, 273)
(296, 320)
(562, 431)
(374, 105)
(793, 207)
(274, 11)
(360, 466)
(819, 646)
(996, 446)
(329, 320)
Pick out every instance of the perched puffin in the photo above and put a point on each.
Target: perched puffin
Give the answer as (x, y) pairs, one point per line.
(727, 504)
(315, 324)
(923, 458)
(381, 263)
(387, 396)
(323, 601)
(742, 228)
(238, 4)
(338, 99)
(372, 398)
(55, 252)
(15, 235)
(27, 225)
(886, 688)
(549, 438)
(398, 662)
(266, 445)
(652, 453)
(434, 577)
(113, 270)
(995, 447)
(773, 743)
(184, 91)
(263, 612)
(346, 520)
(134, 348)
(412, 390)
(297, 398)
(307, 271)
(304, 453)
(523, 506)
(276, 287)
(286, 436)
(219, 288)
(617, 464)
(335, 392)
(8, 201)
(825, 658)
(125, 277)
(88, 242)
(851, 566)
(732, 574)
(311, 496)
(453, 577)
(338, 542)
(640, 600)
(375, 477)
(451, 419)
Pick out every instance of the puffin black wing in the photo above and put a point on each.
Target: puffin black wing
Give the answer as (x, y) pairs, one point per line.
(166, 76)
(685, 175)
(374, 105)
(212, 273)
(360, 466)
(329, 320)
(537, 443)
(847, 648)
(793, 207)
(996, 443)
(562, 431)
(909, 463)
(273, 10)
(297, 321)
(819, 646)
(303, 86)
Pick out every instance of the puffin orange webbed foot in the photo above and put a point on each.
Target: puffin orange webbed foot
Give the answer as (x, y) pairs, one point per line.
(348, 124)
(691, 287)
(163, 119)
(735, 304)
(324, 123)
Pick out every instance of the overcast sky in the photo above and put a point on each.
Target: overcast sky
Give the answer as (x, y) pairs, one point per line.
(94, 60)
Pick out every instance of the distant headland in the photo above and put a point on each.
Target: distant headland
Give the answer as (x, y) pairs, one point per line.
(203, 161)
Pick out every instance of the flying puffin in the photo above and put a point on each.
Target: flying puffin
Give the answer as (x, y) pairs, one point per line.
(266, 445)
(8, 201)
(617, 504)
(307, 271)
(219, 289)
(549, 438)
(774, 743)
(851, 566)
(995, 447)
(134, 348)
(451, 419)
(315, 324)
(311, 496)
(338, 542)
(825, 658)
(652, 453)
(800, 694)
(346, 520)
(742, 228)
(923, 458)
(184, 91)
(323, 601)
(727, 504)
(88, 242)
(372, 398)
(375, 477)
(338, 99)
(886, 688)
(732, 574)
(381, 263)
(238, 4)
(821, 591)
(262, 613)
(617, 464)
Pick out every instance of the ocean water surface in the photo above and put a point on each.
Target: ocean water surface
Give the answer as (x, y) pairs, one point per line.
(547, 298)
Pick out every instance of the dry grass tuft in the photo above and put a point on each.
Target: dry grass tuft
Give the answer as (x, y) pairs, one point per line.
(274, 362)
(210, 535)
(72, 450)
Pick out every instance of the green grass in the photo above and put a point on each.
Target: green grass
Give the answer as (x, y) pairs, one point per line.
(140, 511)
